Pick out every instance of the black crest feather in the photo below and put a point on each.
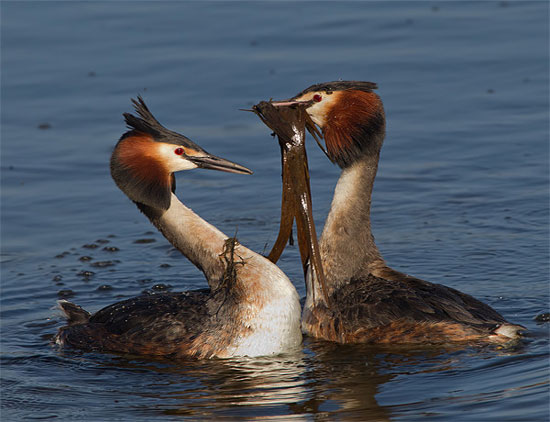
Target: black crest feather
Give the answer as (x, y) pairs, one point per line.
(147, 123)
(340, 86)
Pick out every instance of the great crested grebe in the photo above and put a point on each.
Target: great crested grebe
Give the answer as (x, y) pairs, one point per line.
(362, 300)
(251, 309)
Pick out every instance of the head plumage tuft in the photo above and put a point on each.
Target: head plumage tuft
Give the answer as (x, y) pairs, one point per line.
(340, 86)
(146, 122)
(142, 177)
(351, 117)
(355, 124)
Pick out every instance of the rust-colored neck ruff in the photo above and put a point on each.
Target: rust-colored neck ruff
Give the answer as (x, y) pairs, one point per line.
(354, 126)
(137, 154)
(139, 173)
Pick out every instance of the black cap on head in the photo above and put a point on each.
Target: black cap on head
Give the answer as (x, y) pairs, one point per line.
(340, 86)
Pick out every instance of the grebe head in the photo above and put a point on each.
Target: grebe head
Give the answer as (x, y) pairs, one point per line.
(350, 115)
(145, 158)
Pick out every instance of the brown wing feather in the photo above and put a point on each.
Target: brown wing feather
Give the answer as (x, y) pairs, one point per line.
(410, 310)
(382, 301)
(163, 325)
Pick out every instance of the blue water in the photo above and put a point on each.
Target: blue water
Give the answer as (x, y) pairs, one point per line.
(461, 197)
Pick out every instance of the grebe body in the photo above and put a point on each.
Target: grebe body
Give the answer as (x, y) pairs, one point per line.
(251, 308)
(362, 299)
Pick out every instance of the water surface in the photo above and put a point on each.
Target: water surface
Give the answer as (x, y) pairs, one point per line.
(461, 196)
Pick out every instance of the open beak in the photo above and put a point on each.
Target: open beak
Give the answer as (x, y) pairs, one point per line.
(209, 161)
(288, 121)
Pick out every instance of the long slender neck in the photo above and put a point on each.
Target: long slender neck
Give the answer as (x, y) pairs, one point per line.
(201, 242)
(347, 244)
(210, 250)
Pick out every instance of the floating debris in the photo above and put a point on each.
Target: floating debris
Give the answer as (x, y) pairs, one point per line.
(65, 293)
(102, 264)
(145, 280)
(544, 317)
(143, 241)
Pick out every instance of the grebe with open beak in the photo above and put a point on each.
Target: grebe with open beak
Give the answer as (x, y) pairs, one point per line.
(251, 309)
(353, 296)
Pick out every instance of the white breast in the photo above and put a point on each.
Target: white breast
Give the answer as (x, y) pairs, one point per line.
(274, 326)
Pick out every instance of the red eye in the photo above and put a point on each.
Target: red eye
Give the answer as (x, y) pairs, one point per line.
(178, 151)
(317, 98)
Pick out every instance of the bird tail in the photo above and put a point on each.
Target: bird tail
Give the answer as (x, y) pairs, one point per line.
(74, 313)
(509, 331)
